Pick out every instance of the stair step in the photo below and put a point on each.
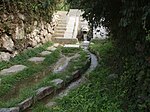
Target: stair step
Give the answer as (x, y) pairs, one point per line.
(59, 35)
(60, 28)
(63, 40)
(60, 31)
(61, 25)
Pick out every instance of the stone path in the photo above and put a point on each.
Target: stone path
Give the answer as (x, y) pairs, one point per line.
(65, 33)
(45, 53)
(36, 59)
(13, 69)
(18, 68)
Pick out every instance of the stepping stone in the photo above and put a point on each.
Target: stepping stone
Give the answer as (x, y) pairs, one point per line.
(56, 45)
(57, 82)
(13, 69)
(52, 48)
(45, 53)
(14, 109)
(71, 45)
(36, 59)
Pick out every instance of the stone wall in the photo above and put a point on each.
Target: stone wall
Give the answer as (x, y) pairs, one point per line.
(17, 34)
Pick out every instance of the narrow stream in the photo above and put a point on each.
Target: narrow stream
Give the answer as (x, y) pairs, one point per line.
(49, 101)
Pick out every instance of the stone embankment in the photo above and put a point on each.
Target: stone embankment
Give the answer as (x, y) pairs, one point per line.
(18, 35)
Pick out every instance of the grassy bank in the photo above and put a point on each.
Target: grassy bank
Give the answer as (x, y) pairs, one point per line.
(7, 82)
(74, 65)
(99, 93)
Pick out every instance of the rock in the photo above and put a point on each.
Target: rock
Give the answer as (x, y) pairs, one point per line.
(20, 32)
(32, 42)
(35, 32)
(49, 28)
(13, 69)
(43, 92)
(35, 23)
(76, 74)
(4, 56)
(36, 59)
(57, 82)
(44, 53)
(48, 37)
(45, 32)
(26, 104)
(14, 54)
(56, 45)
(37, 39)
(39, 45)
(7, 43)
(21, 16)
(51, 104)
(51, 48)
(13, 109)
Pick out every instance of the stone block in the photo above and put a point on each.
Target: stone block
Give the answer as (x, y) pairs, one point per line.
(57, 82)
(76, 74)
(56, 45)
(36, 59)
(52, 48)
(13, 69)
(26, 103)
(45, 53)
(13, 109)
(43, 92)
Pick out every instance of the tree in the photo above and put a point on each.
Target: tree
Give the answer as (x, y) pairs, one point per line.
(129, 24)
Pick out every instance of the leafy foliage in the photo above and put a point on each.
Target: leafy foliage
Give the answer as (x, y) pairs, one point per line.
(128, 23)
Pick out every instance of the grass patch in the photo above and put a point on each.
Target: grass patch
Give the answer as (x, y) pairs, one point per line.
(46, 81)
(98, 94)
(22, 57)
(7, 82)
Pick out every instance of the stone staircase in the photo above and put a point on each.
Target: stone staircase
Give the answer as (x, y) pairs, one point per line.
(67, 28)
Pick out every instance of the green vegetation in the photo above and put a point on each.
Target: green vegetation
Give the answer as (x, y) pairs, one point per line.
(127, 22)
(9, 81)
(99, 93)
(46, 81)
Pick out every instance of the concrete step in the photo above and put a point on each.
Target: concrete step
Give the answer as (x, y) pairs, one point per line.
(60, 31)
(63, 40)
(60, 28)
(59, 35)
(62, 21)
(61, 25)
